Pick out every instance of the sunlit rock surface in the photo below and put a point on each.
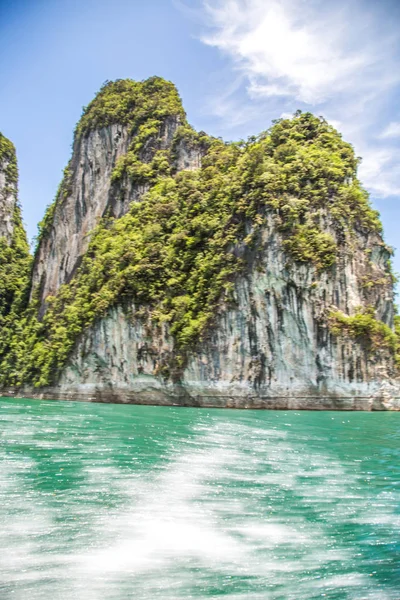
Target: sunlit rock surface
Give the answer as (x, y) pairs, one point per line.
(90, 196)
(272, 348)
(8, 188)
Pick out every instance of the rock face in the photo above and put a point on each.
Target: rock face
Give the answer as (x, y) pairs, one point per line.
(175, 269)
(273, 349)
(87, 194)
(79, 207)
(8, 188)
(14, 249)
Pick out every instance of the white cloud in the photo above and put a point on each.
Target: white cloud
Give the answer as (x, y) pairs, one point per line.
(327, 57)
(391, 131)
(379, 172)
(297, 49)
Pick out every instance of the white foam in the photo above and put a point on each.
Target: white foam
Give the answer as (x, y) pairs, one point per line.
(230, 502)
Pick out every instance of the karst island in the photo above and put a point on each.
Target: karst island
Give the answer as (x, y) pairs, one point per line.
(176, 268)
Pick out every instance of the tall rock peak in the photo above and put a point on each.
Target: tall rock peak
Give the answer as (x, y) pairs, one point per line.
(8, 187)
(173, 267)
(14, 249)
(127, 127)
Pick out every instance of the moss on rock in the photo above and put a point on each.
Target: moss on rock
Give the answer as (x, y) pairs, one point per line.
(366, 328)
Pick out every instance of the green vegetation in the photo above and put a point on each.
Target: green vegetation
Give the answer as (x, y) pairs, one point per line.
(8, 163)
(14, 268)
(143, 106)
(310, 244)
(14, 253)
(364, 327)
(397, 334)
(177, 252)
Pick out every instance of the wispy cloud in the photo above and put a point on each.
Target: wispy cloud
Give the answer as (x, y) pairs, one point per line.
(391, 131)
(332, 59)
(287, 51)
(380, 171)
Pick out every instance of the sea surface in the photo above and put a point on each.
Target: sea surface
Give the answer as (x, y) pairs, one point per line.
(101, 502)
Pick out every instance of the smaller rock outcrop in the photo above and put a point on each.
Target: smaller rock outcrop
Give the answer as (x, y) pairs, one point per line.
(8, 188)
(14, 249)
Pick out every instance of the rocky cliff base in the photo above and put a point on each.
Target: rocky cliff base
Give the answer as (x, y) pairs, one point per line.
(174, 395)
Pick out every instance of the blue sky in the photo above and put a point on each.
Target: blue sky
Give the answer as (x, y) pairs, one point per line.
(238, 64)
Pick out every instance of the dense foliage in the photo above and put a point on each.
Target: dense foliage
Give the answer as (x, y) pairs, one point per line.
(14, 252)
(133, 103)
(364, 327)
(143, 106)
(15, 263)
(397, 333)
(8, 162)
(177, 252)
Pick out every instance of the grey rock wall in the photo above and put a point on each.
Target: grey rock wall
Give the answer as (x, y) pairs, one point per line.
(8, 199)
(75, 216)
(271, 347)
(92, 195)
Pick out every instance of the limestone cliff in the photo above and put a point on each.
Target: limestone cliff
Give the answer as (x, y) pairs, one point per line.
(8, 188)
(175, 268)
(14, 250)
(270, 347)
(87, 192)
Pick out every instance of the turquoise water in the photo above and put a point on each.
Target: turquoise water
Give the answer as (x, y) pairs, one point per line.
(101, 502)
